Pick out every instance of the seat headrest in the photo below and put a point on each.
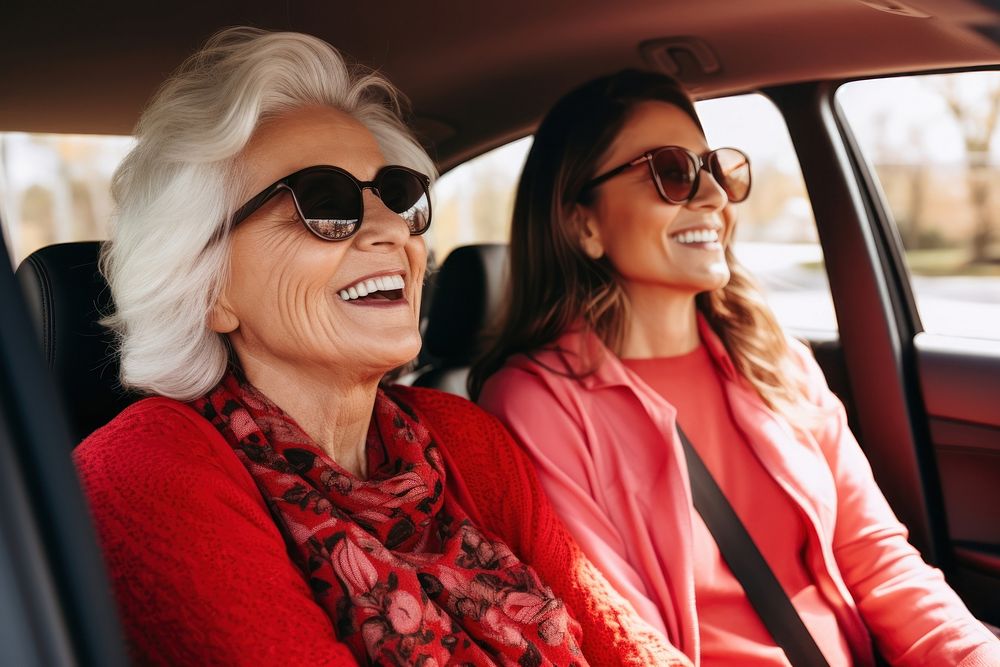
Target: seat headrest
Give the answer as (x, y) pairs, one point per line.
(467, 295)
(67, 295)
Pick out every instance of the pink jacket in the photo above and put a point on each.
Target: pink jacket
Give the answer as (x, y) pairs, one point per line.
(606, 447)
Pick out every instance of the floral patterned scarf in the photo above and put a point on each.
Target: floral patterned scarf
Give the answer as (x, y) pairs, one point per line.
(404, 575)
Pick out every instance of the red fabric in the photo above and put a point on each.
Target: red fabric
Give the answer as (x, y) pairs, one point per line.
(731, 631)
(393, 560)
(201, 571)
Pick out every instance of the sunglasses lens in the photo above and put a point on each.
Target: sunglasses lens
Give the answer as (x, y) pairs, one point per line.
(330, 203)
(677, 172)
(731, 168)
(404, 192)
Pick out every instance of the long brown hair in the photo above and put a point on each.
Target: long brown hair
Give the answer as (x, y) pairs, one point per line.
(554, 285)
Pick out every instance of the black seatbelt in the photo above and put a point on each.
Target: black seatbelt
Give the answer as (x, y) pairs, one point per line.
(748, 565)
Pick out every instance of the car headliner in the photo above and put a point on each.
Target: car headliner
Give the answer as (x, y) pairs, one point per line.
(477, 73)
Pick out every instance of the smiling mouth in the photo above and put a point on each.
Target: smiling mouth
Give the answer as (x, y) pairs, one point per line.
(382, 288)
(696, 236)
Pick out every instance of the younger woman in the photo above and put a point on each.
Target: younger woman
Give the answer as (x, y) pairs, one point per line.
(628, 314)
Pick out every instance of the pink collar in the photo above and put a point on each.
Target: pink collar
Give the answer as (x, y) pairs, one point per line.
(582, 353)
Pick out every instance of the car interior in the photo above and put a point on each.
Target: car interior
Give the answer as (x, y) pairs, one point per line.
(479, 75)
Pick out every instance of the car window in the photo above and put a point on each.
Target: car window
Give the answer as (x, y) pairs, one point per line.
(474, 201)
(934, 144)
(56, 188)
(775, 235)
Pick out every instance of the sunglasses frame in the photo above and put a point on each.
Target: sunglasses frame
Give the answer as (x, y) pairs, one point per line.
(701, 162)
(282, 184)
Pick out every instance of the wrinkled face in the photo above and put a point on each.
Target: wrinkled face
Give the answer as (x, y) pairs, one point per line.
(283, 306)
(656, 246)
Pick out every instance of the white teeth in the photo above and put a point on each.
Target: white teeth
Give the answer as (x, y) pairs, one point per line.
(365, 287)
(698, 236)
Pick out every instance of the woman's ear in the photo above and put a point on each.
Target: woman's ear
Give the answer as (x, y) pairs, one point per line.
(221, 318)
(589, 233)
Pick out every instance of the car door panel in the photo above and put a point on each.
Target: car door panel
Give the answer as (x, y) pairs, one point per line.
(960, 383)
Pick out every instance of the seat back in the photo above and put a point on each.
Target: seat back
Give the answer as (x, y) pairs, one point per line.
(467, 295)
(67, 296)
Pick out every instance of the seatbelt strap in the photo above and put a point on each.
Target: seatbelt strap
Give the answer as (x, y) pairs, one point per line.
(747, 564)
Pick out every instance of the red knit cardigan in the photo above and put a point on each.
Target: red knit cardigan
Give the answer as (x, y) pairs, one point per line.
(201, 573)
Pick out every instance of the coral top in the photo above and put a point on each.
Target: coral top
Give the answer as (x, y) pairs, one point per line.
(202, 575)
(731, 631)
(607, 452)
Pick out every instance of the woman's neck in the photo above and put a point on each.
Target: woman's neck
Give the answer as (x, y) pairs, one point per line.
(661, 324)
(335, 412)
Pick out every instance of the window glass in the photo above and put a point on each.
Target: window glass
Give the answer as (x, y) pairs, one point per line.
(56, 188)
(934, 143)
(474, 201)
(776, 233)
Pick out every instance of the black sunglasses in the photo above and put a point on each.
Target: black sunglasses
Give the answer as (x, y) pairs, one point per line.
(329, 199)
(676, 172)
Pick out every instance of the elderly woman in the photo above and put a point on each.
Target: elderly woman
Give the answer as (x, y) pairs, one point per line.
(270, 503)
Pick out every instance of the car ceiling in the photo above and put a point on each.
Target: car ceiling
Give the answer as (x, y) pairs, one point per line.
(477, 73)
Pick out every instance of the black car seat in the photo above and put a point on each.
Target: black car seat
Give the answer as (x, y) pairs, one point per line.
(67, 296)
(466, 297)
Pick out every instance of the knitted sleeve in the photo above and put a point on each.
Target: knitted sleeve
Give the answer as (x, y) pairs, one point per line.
(199, 569)
(513, 506)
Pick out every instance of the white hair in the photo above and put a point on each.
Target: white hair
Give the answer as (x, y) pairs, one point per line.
(178, 188)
